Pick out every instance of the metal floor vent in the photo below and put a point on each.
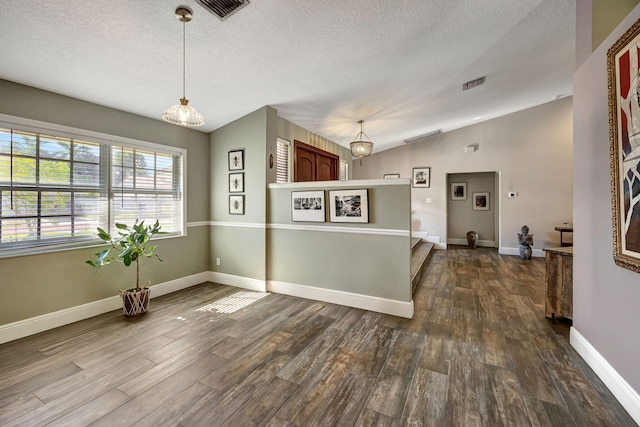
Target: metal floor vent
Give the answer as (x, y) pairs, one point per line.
(223, 8)
(473, 83)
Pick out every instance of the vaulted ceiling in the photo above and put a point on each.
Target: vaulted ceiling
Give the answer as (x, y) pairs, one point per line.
(397, 64)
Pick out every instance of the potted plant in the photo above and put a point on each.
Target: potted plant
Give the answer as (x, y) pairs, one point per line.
(131, 244)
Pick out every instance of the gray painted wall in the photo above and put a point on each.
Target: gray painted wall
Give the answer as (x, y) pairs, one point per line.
(606, 297)
(375, 265)
(241, 248)
(461, 217)
(242, 245)
(33, 285)
(531, 150)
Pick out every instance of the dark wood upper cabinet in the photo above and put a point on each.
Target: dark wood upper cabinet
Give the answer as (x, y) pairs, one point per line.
(313, 164)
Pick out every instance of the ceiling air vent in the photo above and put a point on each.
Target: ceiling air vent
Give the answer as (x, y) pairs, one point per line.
(473, 83)
(223, 8)
(423, 136)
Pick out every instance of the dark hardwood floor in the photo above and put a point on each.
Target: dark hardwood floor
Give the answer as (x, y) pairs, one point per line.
(478, 352)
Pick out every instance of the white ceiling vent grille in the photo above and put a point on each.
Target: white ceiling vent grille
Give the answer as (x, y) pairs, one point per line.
(223, 8)
(423, 136)
(473, 83)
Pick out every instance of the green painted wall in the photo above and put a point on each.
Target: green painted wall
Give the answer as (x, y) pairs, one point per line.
(240, 241)
(606, 15)
(375, 265)
(241, 248)
(38, 284)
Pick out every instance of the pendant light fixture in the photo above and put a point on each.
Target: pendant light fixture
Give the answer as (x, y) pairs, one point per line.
(360, 147)
(183, 114)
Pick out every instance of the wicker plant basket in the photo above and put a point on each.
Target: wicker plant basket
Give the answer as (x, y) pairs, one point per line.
(135, 303)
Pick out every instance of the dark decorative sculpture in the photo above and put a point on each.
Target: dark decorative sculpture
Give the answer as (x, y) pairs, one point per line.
(526, 240)
(472, 238)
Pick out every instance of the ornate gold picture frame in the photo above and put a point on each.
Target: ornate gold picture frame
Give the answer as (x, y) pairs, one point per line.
(623, 68)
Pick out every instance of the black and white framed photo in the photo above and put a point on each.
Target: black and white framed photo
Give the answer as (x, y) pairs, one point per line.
(236, 204)
(458, 191)
(307, 206)
(236, 182)
(421, 177)
(236, 160)
(391, 176)
(349, 206)
(480, 201)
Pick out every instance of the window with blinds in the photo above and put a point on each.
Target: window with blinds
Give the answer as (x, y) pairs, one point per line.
(344, 170)
(58, 190)
(282, 161)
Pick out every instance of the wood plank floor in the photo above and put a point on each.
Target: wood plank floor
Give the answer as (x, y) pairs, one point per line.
(478, 352)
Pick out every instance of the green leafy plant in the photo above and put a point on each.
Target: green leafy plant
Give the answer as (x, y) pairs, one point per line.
(131, 244)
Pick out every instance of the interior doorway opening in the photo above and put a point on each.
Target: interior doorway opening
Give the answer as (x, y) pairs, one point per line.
(473, 204)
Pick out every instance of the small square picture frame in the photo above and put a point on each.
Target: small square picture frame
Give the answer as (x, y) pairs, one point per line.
(236, 182)
(458, 191)
(236, 204)
(236, 160)
(481, 201)
(421, 177)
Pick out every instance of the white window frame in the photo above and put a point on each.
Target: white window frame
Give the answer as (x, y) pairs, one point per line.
(56, 130)
(344, 165)
(280, 140)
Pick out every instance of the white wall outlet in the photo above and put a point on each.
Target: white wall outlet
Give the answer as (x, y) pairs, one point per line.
(428, 200)
(511, 194)
(217, 261)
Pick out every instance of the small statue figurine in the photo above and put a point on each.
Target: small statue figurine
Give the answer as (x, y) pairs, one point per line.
(526, 240)
(472, 238)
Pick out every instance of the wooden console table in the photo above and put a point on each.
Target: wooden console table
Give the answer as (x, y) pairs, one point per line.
(564, 229)
(559, 283)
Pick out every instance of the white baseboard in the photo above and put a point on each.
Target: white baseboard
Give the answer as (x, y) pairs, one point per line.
(238, 281)
(44, 322)
(424, 235)
(463, 242)
(619, 387)
(179, 284)
(538, 253)
(34, 325)
(365, 302)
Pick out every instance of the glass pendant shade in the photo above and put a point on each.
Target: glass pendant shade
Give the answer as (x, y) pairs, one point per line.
(361, 147)
(183, 115)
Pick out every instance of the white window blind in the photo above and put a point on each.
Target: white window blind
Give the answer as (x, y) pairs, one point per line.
(344, 170)
(282, 161)
(145, 186)
(58, 189)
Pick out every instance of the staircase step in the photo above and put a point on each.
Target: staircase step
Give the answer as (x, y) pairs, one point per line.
(415, 241)
(420, 255)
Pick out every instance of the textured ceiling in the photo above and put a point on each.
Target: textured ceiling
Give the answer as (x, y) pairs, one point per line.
(397, 64)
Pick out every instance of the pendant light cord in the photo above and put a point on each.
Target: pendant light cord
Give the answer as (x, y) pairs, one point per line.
(184, 55)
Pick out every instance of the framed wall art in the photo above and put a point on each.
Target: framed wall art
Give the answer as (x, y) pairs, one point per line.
(236, 204)
(480, 201)
(348, 206)
(623, 69)
(307, 206)
(236, 182)
(236, 160)
(458, 191)
(421, 177)
(391, 176)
